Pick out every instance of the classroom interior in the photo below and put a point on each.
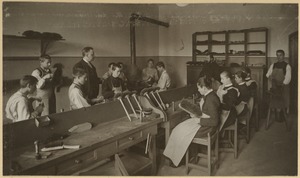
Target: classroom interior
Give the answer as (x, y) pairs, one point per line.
(116, 146)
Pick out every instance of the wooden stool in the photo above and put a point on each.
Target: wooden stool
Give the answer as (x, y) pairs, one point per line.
(232, 129)
(274, 108)
(209, 141)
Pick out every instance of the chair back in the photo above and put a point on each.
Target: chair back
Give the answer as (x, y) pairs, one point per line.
(250, 105)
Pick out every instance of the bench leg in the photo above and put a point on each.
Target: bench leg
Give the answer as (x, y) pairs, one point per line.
(268, 119)
(187, 162)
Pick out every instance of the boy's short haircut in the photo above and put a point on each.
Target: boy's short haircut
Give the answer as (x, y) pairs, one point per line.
(280, 51)
(150, 60)
(28, 79)
(86, 50)
(115, 66)
(160, 64)
(120, 64)
(78, 72)
(44, 56)
(111, 64)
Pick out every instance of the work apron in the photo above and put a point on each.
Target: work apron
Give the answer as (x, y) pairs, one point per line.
(181, 138)
(280, 96)
(48, 96)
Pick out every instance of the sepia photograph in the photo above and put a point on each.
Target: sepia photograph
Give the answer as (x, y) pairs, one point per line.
(149, 89)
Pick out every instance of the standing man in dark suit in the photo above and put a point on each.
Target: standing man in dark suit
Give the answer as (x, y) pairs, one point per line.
(91, 87)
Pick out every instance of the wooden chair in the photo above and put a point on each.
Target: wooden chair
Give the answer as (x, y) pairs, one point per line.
(232, 129)
(248, 116)
(209, 141)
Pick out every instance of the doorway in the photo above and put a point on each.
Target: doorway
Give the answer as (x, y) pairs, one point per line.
(293, 60)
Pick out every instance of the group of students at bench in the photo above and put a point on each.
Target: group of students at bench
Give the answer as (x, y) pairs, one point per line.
(83, 92)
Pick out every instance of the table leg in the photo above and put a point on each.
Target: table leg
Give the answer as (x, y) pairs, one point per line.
(167, 136)
(152, 154)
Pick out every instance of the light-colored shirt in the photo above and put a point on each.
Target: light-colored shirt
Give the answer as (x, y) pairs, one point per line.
(17, 107)
(76, 98)
(41, 81)
(288, 74)
(150, 72)
(164, 81)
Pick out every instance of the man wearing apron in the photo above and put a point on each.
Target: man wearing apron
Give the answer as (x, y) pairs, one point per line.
(280, 75)
(113, 84)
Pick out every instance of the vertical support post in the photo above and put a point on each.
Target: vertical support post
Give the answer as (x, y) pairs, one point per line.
(132, 40)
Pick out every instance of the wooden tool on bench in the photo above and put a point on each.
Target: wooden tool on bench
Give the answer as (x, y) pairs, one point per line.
(144, 92)
(152, 93)
(190, 108)
(161, 101)
(119, 97)
(127, 94)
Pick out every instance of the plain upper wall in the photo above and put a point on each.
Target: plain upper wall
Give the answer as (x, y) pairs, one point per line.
(281, 20)
(102, 26)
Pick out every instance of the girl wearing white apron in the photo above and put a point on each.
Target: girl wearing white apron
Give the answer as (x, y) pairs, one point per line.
(183, 134)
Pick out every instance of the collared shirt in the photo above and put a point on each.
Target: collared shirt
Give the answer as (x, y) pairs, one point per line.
(87, 62)
(210, 90)
(164, 81)
(76, 97)
(242, 83)
(17, 107)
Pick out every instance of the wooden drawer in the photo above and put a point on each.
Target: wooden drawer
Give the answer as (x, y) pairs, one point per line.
(136, 137)
(76, 163)
(106, 151)
(47, 171)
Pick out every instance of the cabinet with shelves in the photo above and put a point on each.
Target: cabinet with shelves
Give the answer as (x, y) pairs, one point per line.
(245, 47)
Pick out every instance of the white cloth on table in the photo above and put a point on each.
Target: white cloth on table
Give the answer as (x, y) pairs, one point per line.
(180, 139)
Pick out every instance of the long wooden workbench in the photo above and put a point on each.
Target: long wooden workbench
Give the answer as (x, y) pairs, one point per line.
(112, 133)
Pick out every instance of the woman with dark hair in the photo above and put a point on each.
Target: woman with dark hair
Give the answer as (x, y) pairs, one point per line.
(183, 134)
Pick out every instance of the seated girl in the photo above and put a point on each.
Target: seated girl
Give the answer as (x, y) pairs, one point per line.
(252, 85)
(228, 95)
(241, 105)
(183, 134)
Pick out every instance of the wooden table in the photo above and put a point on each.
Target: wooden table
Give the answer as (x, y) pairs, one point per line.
(102, 141)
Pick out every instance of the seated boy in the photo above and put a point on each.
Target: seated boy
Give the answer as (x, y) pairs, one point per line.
(164, 81)
(77, 100)
(19, 107)
(109, 72)
(113, 84)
